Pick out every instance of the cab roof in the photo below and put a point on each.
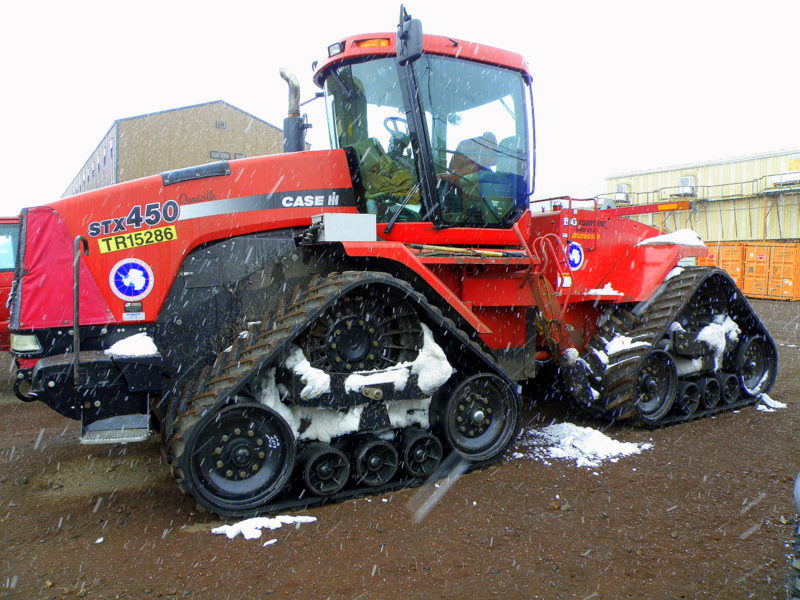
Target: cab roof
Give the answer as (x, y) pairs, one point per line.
(383, 44)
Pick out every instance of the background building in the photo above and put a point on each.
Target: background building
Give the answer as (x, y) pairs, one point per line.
(747, 210)
(172, 139)
(741, 199)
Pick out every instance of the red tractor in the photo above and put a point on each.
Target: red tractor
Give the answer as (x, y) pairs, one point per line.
(312, 326)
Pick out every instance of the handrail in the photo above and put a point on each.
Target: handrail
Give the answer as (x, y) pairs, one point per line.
(76, 334)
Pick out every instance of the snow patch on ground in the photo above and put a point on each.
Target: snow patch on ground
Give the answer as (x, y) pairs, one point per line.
(250, 529)
(620, 343)
(140, 344)
(586, 446)
(682, 237)
(717, 334)
(767, 404)
(606, 290)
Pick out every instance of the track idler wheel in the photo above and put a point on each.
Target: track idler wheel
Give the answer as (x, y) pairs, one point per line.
(730, 387)
(756, 364)
(656, 386)
(325, 469)
(238, 459)
(422, 452)
(480, 418)
(375, 461)
(371, 328)
(688, 397)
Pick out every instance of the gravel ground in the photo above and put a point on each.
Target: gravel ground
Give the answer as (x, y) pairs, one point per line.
(705, 513)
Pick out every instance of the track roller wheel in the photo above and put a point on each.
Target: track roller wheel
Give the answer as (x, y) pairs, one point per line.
(422, 452)
(730, 387)
(375, 461)
(656, 386)
(325, 469)
(710, 392)
(480, 418)
(688, 400)
(238, 458)
(756, 364)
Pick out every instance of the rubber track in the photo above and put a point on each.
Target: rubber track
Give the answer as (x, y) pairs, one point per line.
(616, 380)
(266, 342)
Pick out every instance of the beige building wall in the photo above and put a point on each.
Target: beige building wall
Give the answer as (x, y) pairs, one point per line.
(174, 139)
(100, 169)
(749, 198)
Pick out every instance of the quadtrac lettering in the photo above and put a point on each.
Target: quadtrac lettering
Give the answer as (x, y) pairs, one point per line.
(148, 215)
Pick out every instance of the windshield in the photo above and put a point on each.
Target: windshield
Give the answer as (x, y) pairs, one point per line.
(8, 246)
(477, 126)
(366, 114)
(477, 123)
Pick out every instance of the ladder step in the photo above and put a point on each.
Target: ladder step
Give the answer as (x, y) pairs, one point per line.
(120, 429)
(115, 436)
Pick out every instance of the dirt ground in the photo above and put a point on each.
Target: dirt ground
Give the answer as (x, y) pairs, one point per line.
(706, 513)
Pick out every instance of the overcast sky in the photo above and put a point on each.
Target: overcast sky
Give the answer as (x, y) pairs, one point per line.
(618, 86)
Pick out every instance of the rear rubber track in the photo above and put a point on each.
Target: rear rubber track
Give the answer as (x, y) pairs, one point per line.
(613, 384)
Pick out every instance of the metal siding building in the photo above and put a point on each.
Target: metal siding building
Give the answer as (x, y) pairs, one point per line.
(173, 139)
(748, 198)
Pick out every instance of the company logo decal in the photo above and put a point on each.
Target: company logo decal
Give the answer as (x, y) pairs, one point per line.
(575, 256)
(131, 279)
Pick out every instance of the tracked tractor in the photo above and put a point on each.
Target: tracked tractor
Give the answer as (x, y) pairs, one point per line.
(314, 325)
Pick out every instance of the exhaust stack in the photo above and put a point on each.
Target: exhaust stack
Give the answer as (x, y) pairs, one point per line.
(294, 127)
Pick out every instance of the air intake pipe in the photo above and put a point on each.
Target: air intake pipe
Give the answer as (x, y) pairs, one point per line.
(294, 127)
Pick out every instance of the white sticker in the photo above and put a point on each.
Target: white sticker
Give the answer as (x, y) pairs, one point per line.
(131, 279)
(133, 316)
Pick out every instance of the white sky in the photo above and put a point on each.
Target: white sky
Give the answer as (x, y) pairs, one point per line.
(619, 86)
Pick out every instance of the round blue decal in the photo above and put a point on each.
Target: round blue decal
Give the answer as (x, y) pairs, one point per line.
(131, 279)
(575, 256)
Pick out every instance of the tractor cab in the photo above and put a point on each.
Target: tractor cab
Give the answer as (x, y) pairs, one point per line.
(445, 136)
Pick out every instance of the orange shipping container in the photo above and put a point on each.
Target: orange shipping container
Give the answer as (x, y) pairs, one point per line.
(784, 272)
(756, 259)
(755, 287)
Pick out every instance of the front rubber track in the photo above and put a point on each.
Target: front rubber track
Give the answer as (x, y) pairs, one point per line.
(266, 345)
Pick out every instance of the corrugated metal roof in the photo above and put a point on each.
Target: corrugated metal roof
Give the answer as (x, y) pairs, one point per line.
(710, 163)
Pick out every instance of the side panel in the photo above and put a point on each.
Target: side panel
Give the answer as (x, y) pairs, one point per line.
(139, 232)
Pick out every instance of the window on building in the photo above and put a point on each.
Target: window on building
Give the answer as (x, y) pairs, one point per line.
(239, 155)
(220, 155)
(221, 125)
